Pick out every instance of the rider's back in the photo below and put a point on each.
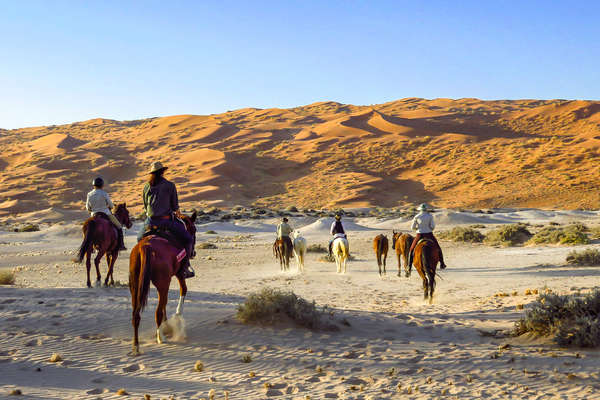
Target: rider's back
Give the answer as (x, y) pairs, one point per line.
(98, 201)
(160, 199)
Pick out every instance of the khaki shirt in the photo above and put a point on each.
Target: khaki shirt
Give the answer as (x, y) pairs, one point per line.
(283, 229)
(98, 201)
(423, 223)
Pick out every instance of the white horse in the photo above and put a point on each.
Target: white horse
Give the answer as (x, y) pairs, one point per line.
(341, 252)
(299, 249)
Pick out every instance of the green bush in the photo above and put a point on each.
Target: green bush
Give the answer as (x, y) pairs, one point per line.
(206, 245)
(585, 257)
(272, 305)
(211, 232)
(7, 278)
(571, 234)
(508, 235)
(571, 320)
(461, 234)
(28, 228)
(595, 232)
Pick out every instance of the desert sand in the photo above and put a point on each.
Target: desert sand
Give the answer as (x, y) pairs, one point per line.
(396, 345)
(453, 153)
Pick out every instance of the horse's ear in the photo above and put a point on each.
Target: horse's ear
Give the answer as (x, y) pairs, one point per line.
(193, 217)
(124, 204)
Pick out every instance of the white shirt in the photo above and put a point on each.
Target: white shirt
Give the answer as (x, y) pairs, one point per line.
(423, 222)
(98, 201)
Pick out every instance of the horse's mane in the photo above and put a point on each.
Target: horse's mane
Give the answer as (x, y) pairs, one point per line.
(119, 207)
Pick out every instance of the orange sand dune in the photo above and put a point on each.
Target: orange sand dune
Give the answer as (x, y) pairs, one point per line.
(454, 153)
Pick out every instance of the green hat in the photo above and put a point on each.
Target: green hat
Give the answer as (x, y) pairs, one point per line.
(423, 207)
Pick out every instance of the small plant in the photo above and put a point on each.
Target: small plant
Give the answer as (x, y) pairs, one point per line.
(211, 232)
(316, 248)
(508, 235)
(28, 228)
(461, 234)
(199, 366)
(7, 278)
(272, 305)
(584, 257)
(572, 320)
(331, 258)
(571, 234)
(55, 357)
(206, 245)
(246, 358)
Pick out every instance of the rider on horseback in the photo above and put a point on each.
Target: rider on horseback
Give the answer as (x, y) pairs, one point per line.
(337, 230)
(162, 208)
(98, 201)
(283, 229)
(424, 225)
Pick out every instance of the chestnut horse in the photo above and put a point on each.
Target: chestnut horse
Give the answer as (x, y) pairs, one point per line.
(155, 259)
(426, 258)
(401, 242)
(380, 245)
(100, 234)
(282, 250)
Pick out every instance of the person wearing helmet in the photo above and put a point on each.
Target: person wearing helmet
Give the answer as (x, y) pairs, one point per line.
(337, 230)
(424, 225)
(161, 205)
(98, 201)
(284, 229)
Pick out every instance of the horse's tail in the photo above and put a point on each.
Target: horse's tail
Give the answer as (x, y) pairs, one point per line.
(345, 248)
(144, 278)
(88, 228)
(428, 266)
(380, 247)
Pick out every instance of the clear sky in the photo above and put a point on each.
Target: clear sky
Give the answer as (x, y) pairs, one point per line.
(65, 61)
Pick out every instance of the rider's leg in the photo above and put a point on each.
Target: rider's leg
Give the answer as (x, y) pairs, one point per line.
(412, 248)
(329, 247)
(442, 263)
(143, 230)
(116, 223)
(187, 241)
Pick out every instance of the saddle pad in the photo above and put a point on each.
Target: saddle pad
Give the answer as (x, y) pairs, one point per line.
(181, 255)
(339, 235)
(425, 240)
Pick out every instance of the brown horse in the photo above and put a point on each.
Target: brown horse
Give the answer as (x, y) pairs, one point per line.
(155, 259)
(426, 258)
(282, 250)
(100, 234)
(401, 242)
(380, 245)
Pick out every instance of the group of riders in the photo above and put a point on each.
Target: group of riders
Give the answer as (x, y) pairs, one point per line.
(423, 224)
(161, 206)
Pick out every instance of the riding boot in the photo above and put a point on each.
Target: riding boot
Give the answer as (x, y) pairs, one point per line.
(410, 259)
(186, 268)
(121, 239)
(330, 252)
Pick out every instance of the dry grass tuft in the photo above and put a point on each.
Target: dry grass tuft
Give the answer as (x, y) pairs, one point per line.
(570, 234)
(55, 357)
(7, 278)
(316, 248)
(206, 245)
(508, 235)
(584, 257)
(199, 366)
(461, 234)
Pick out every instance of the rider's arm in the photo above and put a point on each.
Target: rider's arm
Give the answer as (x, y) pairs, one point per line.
(331, 229)
(174, 199)
(415, 224)
(109, 203)
(432, 223)
(145, 198)
(88, 206)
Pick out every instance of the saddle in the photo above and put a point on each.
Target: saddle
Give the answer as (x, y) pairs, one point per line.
(164, 234)
(102, 215)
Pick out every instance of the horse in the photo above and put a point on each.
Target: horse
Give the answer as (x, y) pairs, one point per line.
(401, 242)
(282, 250)
(155, 259)
(380, 245)
(299, 244)
(341, 251)
(100, 234)
(426, 258)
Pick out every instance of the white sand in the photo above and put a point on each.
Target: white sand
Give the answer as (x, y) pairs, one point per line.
(431, 351)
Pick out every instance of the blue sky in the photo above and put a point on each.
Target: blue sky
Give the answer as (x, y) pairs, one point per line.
(65, 61)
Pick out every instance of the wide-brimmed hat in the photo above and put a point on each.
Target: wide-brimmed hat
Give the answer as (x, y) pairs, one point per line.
(156, 167)
(424, 207)
(338, 216)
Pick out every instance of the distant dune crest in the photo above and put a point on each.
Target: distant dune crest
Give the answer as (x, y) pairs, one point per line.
(454, 153)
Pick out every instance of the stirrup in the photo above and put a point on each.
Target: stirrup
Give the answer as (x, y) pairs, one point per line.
(189, 272)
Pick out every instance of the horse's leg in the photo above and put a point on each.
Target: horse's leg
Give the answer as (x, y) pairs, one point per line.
(384, 260)
(163, 296)
(88, 266)
(182, 293)
(425, 288)
(135, 321)
(108, 259)
(398, 256)
(113, 260)
(97, 264)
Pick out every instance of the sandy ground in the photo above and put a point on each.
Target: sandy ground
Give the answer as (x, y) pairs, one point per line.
(396, 346)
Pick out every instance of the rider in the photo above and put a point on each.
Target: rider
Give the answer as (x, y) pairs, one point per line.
(424, 225)
(337, 230)
(284, 229)
(162, 206)
(98, 201)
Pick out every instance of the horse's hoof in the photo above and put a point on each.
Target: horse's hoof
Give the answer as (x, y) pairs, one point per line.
(134, 353)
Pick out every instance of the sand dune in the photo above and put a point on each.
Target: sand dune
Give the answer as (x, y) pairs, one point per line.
(454, 153)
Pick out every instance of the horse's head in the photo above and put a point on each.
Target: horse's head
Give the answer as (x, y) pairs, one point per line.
(122, 215)
(190, 226)
(395, 236)
(296, 234)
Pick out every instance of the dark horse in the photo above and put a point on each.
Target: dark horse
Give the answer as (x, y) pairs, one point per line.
(401, 242)
(100, 234)
(155, 259)
(282, 250)
(426, 258)
(380, 245)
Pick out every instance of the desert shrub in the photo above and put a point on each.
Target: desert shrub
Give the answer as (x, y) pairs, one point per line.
(477, 226)
(271, 305)
(28, 228)
(508, 235)
(291, 209)
(461, 234)
(595, 232)
(316, 248)
(571, 234)
(331, 258)
(572, 320)
(206, 245)
(584, 257)
(7, 278)
(211, 232)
